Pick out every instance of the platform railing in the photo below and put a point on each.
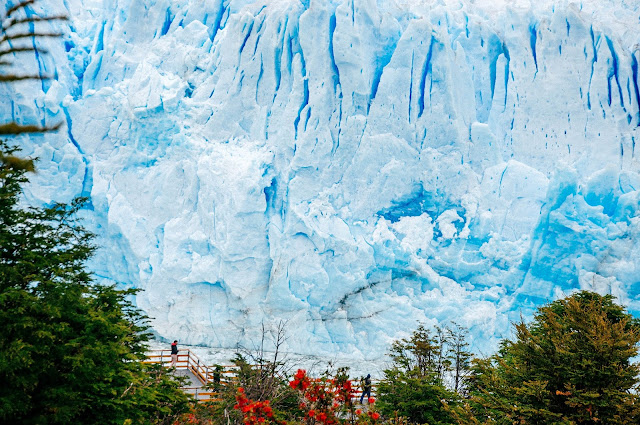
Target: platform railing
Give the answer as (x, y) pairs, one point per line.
(188, 360)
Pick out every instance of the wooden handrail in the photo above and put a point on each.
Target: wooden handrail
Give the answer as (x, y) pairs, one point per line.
(191, 362)
(187, 359)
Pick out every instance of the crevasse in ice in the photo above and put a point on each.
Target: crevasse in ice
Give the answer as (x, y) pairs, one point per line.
(353, 167)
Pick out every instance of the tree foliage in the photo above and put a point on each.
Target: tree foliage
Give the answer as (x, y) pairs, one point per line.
(72, 349)
(571, 365)
(416, 386)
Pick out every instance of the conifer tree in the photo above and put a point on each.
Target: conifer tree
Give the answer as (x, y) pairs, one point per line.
(459, 357)
(571, 365)
(71, 350)
(414, 388)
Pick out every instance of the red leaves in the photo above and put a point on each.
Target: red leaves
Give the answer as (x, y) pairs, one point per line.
(300, 380)
(343, 391)
(322, 402)
(325, 401)
(254, 412)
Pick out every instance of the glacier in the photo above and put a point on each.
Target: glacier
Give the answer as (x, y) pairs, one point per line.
(351, 167)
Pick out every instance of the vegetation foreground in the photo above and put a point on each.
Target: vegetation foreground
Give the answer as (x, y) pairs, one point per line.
(73, 350)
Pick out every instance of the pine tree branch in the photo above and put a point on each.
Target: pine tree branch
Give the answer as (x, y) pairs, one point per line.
(21, 50)
(12, 128)
(18, 6)
(12, 37)
(12, 77)
(16, 163)
(32, 19)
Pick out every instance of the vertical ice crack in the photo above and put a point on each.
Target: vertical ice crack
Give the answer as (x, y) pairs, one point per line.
(260, 74)
(279, 51)
(44, 82)
(334, 66)
(218, 20)
(594, 45)
(497, 48)
(634, 77)
(533, 40)
(337, 88)
(168, 19)
(613, 72)
(353, 12)
(507, 57)
(259, 34)
(87, 180)
(305, 100)
(423, 79)
(244, 42)
(382, 61)
(411, 84)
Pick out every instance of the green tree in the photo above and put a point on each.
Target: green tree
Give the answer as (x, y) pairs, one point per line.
(571, 365)
(459, 357)
(414, 387)
(72, 349)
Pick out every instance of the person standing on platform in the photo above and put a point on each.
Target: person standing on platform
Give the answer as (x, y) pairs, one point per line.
(174, 353)
(366, 388)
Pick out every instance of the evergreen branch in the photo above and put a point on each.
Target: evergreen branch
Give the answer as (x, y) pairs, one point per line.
(12, 77)
(15, 21)
(16, 163)
(12, 128)
(20, 5)
(21, 50)
(12, 37)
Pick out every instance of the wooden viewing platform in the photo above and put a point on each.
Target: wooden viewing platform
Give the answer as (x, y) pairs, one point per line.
(200, 375)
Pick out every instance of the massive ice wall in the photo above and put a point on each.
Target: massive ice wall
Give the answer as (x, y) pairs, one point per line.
(353, 166)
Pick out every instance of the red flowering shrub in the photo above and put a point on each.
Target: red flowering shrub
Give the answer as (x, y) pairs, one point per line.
(321, 402)
(329, 401)
(300, 380)
(373, 415)
(254, 412)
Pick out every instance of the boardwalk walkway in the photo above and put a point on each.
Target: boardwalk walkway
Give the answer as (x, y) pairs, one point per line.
(200, 375)
(189, 365)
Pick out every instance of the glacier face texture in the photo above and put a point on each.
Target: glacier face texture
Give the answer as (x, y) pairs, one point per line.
(353, 167)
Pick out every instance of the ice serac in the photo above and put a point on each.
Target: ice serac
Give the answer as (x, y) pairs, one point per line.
(353, 167)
